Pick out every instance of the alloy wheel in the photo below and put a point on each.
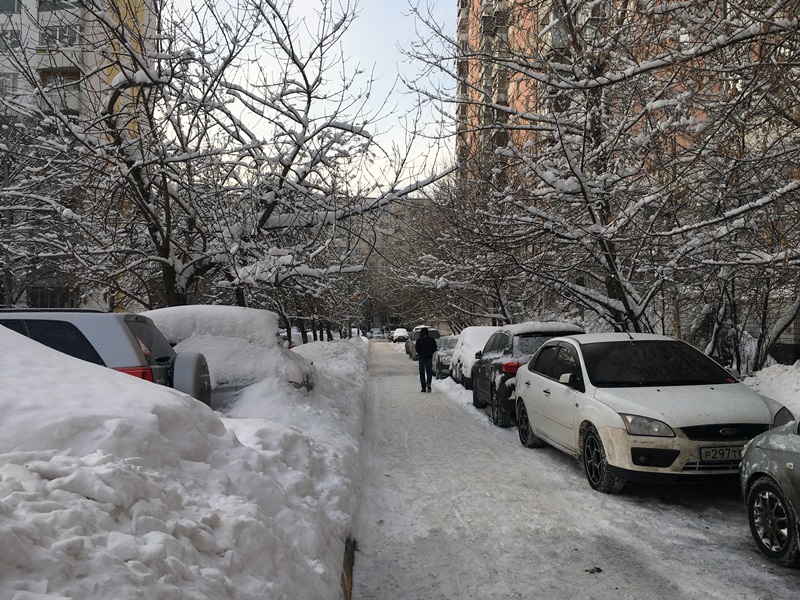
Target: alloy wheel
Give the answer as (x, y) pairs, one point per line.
(770, 521)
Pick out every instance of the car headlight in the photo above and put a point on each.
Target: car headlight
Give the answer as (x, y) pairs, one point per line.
(637, 425)
(783, 417)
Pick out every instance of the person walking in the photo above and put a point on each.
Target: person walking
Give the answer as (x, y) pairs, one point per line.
(425, 347)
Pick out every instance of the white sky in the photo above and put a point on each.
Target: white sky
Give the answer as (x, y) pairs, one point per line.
(381, 33)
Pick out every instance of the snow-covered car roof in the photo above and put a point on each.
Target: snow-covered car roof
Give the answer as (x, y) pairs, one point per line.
(596, 338)
(476, 335)
(542, 327)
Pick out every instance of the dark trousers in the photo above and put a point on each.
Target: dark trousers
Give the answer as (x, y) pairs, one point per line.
(425, 372)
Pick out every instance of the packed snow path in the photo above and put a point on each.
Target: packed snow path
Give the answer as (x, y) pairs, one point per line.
(453, 508)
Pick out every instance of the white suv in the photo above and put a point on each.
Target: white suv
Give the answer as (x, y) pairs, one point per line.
(125, 342)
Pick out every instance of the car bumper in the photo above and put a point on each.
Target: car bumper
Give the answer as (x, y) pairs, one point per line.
(645, 458)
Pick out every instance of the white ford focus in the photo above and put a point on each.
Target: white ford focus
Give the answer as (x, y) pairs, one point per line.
(639, 407)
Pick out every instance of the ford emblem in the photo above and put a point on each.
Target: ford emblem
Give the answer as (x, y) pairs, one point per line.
(728, 431)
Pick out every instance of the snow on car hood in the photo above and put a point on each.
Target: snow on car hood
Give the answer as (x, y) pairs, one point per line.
(688, 405)
(235, 359)
(781, 439)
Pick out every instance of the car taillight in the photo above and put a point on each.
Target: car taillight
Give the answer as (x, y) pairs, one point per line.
(145, 373)
(510, 368)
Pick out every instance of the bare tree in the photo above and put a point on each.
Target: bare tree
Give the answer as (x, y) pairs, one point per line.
(634, 152)
(230, 151)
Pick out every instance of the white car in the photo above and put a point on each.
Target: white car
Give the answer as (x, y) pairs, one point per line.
(470, 341)
(639, 407)
(400, 335)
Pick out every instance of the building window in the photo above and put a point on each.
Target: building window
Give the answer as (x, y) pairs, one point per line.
(62, 89)
(9, 40)
(48, 5)
(9, 6)
(8, 83)
(59, 36)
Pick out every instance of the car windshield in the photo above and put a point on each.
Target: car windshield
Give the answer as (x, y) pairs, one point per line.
(447, 343)
(649, 363)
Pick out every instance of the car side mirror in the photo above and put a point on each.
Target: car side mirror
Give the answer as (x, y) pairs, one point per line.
(479, 353)
(573, 380)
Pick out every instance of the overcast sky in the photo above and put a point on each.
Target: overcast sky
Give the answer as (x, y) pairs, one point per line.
(375, 43)
(380, 33)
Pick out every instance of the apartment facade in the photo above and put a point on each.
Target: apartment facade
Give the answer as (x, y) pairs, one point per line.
(57, 56)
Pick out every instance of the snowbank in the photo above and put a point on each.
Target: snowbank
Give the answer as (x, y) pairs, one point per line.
(110, 486)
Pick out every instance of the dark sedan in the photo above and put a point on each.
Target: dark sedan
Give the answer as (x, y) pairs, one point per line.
(495, 369)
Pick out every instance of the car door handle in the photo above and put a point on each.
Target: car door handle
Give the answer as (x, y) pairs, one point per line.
(527, 384)
(546, 392)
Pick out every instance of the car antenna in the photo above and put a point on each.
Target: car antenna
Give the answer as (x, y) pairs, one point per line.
(625, 329)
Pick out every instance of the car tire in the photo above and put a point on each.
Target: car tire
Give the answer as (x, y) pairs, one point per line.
(600, 477)
(500, 417)
(477, 402)
(190, 375)
(467, 383)
(773, 522)
(526, 436)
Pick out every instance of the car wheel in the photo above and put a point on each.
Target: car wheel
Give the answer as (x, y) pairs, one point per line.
(773, 522)
(526, 436)
(594, 463)
(467, 383)
(500, 417)
(477, 402)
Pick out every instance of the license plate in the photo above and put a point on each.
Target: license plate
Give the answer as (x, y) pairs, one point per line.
(721, 454)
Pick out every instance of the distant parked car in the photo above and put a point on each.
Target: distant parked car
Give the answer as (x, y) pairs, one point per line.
(441, 358)
(399, 335)
(126, 342)
(411, 342)
(771, 491)
(241, 347)
(495, 369)
(639, 407)
(376, 333)
(470, 340)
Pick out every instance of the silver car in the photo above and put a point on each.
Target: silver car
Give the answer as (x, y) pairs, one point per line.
(770, 479)
(126, 342)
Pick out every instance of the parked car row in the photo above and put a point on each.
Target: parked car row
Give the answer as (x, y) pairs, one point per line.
(641, 408)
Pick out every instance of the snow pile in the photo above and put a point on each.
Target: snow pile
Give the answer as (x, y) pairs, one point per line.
(110, 486)
(779, 382)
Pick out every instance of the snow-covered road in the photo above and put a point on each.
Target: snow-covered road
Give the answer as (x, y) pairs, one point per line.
(453, 508)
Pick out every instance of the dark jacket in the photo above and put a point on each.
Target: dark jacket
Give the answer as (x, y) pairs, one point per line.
(425, 345)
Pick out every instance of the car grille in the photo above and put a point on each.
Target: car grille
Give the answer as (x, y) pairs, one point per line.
(727, 466)
(731, 432)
